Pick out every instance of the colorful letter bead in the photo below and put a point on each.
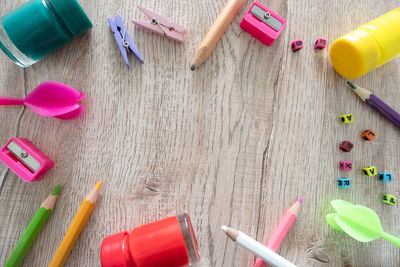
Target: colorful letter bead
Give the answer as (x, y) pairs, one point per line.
(320, 43)
(346, 146)
(346, 165)
(297, 45)
(344, 182)
(346, 118)
(368, 135)
(370, 171)
(385, 177)
(389, 199)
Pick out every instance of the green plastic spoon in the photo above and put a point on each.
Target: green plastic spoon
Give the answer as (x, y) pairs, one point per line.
(359, 222)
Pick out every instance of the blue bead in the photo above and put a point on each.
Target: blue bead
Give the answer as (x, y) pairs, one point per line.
(385, 177)
(344, 182)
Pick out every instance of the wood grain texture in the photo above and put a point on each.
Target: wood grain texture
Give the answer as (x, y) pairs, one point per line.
(235, 142)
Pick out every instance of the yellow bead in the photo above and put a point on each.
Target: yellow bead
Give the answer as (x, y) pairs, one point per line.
(346, 118)
(370, 171)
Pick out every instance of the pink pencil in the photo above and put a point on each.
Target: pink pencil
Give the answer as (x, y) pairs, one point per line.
(280, 232)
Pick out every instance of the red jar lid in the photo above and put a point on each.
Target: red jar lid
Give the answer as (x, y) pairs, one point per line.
(114, 251)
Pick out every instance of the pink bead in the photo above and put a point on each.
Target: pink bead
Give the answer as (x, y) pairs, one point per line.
(320, 43)
(346, 165)
(297, 45)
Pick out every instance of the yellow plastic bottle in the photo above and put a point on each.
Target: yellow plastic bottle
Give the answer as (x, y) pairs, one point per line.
(367, 47)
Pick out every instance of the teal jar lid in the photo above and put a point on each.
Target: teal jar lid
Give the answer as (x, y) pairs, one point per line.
(73, 15)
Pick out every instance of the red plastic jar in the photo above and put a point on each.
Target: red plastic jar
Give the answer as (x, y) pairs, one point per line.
(170, 242)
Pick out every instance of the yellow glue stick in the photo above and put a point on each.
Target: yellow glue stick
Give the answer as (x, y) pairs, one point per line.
(367, 47)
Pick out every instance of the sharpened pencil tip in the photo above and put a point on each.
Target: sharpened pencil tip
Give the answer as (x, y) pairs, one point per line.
(56, 190)
(98, 185)
(224, 228)
(300, 200)
(193, 67)
(351, 85)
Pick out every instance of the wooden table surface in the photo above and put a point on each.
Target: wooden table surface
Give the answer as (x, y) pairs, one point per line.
(235, 142)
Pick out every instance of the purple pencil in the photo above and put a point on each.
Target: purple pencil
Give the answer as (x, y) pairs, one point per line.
(376, 103)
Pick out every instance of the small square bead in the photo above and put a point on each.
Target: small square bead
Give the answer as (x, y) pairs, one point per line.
(344, 183)
(368, 135)
(297, 45)
(346, 165)
(346, 118)
(346, 146)
(385, 177)
(320, 43)
(369, 171)
(389, 199)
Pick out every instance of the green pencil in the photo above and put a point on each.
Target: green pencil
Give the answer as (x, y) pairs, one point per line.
(33, 229)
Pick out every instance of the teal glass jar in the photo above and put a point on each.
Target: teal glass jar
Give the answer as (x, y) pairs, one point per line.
(39, 27)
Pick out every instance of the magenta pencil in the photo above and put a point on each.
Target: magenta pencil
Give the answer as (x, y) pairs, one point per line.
(280, 232)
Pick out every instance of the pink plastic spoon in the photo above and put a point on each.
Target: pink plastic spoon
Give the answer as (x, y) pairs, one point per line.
(51, 99)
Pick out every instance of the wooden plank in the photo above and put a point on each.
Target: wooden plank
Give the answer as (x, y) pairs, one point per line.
(235, 142)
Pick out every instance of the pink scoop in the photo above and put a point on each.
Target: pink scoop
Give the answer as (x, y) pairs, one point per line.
(51, 99)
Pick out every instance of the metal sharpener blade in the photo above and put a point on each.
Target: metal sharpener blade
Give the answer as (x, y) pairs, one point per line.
(23, 156)
(269, 19)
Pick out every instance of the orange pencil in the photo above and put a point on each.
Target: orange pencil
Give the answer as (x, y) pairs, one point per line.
(76, 227)
(280, 232)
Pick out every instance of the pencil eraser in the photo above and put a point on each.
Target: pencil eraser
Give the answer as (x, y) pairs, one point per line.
(262, 23)
(389, 199)
(368, 135)
(385, 177)
(346, 146)
(346, 118)
(346, 165)
(300, 200)
(370, 171)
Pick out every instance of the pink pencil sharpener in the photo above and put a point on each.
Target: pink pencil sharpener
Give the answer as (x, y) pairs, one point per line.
(25, 160)
(262, 23)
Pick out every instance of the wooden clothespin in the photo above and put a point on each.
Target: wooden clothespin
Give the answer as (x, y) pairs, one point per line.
(160, 25)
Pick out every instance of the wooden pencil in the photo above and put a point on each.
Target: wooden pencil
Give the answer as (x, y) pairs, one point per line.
(257, 248)
(377, 104)
(33, 229)
(76, 227)
(216, 31)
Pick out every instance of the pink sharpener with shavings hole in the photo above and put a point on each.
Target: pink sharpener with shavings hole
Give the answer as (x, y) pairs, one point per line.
(262, 23)
(25, 159)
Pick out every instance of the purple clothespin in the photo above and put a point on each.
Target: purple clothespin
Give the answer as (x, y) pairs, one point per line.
(123, 39)
(160, 25)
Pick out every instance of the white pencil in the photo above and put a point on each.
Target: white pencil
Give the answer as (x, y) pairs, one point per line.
(257, 248)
